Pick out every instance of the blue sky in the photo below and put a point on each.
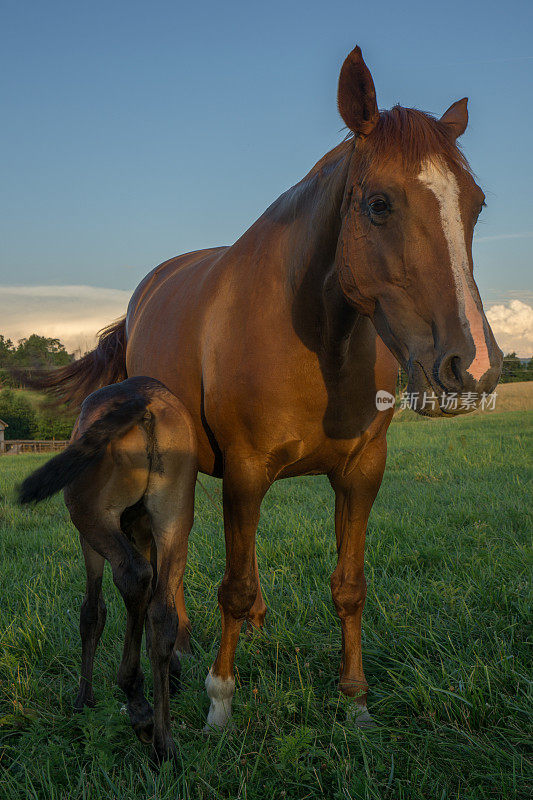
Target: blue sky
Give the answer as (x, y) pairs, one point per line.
(135, 131)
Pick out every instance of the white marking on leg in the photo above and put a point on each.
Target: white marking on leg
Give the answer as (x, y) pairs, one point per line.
(220, 691)
(442, 182)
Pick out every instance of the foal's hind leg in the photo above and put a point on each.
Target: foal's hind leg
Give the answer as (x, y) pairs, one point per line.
(132, 575)
(92, 621)
(135, 585)
(141, 532)
(172, 518)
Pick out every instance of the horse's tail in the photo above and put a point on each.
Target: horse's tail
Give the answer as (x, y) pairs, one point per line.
(104, 365)
(118, 418)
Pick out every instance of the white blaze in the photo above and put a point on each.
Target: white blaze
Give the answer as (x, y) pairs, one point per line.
(442, 182)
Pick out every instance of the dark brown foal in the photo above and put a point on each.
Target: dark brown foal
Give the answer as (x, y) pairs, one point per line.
(129, 476)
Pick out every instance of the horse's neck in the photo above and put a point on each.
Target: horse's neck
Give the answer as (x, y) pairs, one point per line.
(307, 216)
(310, 217)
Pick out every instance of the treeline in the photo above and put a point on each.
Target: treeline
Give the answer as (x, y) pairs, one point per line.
(514, 369)
(35, 352)
(29, 415)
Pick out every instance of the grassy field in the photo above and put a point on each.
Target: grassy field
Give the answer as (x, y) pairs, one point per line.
(445, 633)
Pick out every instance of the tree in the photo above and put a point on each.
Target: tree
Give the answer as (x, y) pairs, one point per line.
(37, 352)
(53, 421)
(511, 368)
(7, 350)
(19, 415)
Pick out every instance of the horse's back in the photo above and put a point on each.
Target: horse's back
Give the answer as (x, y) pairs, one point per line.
(169, 278)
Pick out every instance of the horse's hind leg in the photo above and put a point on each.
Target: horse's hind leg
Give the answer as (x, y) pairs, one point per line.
(245, 483)
(92, 621)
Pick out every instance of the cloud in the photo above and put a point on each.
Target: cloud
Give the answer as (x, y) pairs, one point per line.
(523, 235)
(512, 325)
(73, 314)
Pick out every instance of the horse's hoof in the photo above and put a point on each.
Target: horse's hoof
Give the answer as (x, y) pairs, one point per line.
(360, 716)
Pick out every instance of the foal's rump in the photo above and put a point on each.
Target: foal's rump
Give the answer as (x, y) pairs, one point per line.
(128, 430)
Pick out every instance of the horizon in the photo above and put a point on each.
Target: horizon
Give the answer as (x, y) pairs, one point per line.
(125, 145)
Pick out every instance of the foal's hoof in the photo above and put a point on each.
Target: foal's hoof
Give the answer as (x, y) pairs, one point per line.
(359, 716)
(183, 645)
(142, 722)
(164, 750)
(84, 698)
(144, 731)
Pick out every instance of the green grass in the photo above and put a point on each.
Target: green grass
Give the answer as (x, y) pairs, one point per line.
(445, 631)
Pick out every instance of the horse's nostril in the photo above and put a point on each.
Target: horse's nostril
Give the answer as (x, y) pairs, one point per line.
(455, 367)
(450, 373)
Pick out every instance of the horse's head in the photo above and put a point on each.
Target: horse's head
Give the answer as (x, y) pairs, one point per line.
(405, 251)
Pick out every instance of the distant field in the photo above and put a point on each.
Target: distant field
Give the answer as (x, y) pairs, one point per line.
(509, 397)
(445, 631)
(515, 396)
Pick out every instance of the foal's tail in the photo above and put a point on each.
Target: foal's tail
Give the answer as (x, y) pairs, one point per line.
(104, 365)
(85, 451)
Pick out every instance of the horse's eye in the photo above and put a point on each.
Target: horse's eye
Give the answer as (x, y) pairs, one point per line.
(378, 207)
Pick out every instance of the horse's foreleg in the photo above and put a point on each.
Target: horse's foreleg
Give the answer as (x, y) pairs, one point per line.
(243, 490)
(92, 621)
(183, 639)
(355, 492)
(257, 613)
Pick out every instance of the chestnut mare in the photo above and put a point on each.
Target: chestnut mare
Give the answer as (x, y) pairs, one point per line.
(278, 344)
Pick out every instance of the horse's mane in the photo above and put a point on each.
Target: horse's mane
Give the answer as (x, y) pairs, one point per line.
(409, 136)
(405, 135)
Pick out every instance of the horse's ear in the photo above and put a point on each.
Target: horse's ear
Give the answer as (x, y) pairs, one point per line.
(456, 117)
(356, 95)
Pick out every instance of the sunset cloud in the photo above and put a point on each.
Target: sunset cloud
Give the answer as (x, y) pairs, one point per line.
(73, 314)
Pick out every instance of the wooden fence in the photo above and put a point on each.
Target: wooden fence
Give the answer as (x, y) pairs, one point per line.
(17, 446)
